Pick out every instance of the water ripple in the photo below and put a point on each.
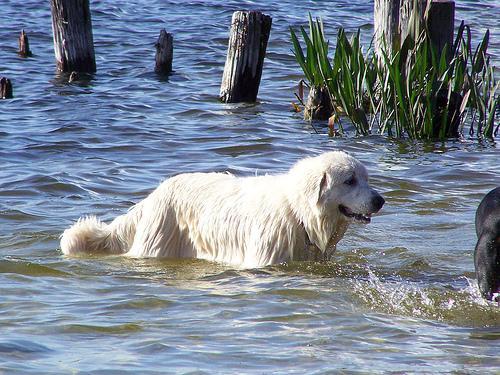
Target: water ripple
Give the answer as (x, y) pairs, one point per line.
(398, 296)
(23, 349)
(29, 269)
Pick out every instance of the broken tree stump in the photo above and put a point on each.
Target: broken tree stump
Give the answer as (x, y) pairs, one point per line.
(5, 88)
(245, 56)
(73, 41)
(319, 105)
(164, 53)
(24, 45)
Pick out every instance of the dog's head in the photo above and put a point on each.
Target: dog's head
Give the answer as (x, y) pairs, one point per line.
(487, 252)
(335, 191)
(487, 265)
(344, 188)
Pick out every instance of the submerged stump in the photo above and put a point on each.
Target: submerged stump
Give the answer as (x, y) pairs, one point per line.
(164, 53)
(24, 45)
(318, 105)
(73, 40)
(245, 56)
(5, 88)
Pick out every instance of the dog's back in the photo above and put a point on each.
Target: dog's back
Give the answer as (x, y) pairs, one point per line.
(218, 217)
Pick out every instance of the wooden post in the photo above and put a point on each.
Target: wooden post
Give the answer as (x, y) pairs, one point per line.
(407, 24)
(441, 24)
(164, 53)
(393, 20)
(73, 41)
(5, 88)
(245, 56)
(24, 45)
(386, 25)
(452, 105)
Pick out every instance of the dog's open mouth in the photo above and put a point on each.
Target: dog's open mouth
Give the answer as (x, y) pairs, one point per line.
(495, 297)
(359, 217)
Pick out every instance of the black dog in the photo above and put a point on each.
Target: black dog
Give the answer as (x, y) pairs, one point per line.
(487, 253)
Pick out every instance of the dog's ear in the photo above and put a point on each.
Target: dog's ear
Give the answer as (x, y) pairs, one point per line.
(323, 187)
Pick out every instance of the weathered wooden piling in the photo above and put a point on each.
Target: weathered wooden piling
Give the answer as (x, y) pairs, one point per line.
(393, 21)
(245, 56)
(386, 25)
(164, 53)
(73, 41)
(24, 45)
(408, 25)
(5, 88)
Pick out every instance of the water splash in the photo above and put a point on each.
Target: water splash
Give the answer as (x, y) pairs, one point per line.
(441, 302)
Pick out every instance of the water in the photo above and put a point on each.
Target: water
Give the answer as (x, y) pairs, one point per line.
(399, 296)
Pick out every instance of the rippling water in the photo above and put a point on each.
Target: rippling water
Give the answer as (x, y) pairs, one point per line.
(399, 296)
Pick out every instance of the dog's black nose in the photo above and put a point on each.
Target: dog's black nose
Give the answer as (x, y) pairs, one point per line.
(378, 202)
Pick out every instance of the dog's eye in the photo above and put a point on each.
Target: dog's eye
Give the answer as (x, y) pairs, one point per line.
(350, 181)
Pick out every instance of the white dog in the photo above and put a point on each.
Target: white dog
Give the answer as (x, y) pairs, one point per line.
(242, 221)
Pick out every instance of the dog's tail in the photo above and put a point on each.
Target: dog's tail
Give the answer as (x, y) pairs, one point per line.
(90, 235)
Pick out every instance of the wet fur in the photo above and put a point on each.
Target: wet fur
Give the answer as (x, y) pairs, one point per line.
(487, 252)
(243, 221)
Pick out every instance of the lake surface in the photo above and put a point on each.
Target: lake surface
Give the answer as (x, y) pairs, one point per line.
(399, 295)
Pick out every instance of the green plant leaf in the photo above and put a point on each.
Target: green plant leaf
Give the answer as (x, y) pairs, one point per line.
(479, 55)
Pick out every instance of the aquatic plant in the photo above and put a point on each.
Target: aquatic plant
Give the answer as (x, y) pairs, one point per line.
(412, 91)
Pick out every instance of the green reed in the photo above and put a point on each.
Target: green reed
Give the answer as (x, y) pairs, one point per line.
(412, 91)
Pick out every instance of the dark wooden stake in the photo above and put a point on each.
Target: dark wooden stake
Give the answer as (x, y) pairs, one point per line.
(164, 52)
(447, 113)
(24, 45)
(73, 41)
(5, 88)
(441, 24)
(245, 56)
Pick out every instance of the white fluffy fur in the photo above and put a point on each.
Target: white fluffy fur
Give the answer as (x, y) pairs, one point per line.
(243, 221)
